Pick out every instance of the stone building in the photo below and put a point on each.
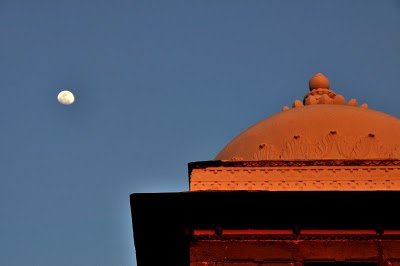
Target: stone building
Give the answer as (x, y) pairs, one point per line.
(315, 184)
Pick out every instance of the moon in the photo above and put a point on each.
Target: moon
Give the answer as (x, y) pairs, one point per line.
(66, 97)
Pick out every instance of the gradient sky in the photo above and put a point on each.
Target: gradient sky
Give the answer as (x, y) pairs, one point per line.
(157, 84)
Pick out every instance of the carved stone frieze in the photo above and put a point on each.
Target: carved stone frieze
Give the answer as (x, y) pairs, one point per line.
(297, 186)
(331, 146)
(298, 177)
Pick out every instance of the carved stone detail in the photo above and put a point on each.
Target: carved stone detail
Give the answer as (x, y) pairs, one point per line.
(331, 146)
(295, 178)
(330, 185)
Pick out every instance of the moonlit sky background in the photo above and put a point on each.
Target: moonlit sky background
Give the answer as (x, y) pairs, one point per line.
(157, 84)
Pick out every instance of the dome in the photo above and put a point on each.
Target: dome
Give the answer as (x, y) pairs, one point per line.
(323, 126)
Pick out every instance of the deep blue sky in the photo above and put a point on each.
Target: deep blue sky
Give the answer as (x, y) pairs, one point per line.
(157, 84)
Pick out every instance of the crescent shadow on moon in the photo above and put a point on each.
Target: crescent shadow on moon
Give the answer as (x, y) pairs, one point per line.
(66, 97)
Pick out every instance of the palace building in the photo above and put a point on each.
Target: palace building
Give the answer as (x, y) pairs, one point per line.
(315, 184)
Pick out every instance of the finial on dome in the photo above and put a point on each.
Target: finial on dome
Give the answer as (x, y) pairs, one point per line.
(318, 81)
(321, 94)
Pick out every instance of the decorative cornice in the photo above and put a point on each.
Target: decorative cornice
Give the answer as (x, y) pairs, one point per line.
(292, 163)
(313, 185)
(296, 175)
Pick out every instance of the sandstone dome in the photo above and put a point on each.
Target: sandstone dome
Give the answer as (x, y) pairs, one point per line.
(322, 126)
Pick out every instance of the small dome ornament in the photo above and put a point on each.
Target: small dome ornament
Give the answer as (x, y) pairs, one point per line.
(297, 103)
(352, 102)
(339, 99)
(319, 81)
(310, 100)
(325, 99)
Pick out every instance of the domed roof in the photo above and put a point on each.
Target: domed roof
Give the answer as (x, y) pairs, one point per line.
(320, 127)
